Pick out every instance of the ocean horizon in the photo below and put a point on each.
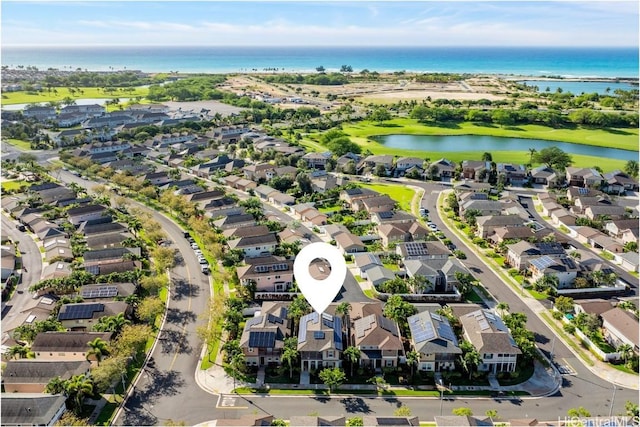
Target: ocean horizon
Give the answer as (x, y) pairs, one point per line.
(568, 62)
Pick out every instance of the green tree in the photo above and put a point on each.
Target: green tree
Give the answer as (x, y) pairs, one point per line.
(399, 310)
(492, 414)
(564, 304)
(413, 357)
(579, 412)
(462, 411)
(77, 388)
(132, 340)
(380, 115)
(290, 353)
(487, 157)
(298, 308)
(150, 308)
(631, 168)
(402, 411)
(502, 307)
(553, 157)
(355, 422)
(352, 355)
(631, 409)
(98, 348)
(55, 386)
(332, 377)
(108, 372)
(113, 323)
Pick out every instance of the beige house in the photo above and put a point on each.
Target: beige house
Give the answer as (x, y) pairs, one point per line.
(83, 316)
(65, 346)
(320, 341)
(32, 376)
(432, 336)
(377, 337)
(263, 336)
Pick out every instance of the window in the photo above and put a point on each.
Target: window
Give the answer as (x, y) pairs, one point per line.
(488, 356)
(330, 354)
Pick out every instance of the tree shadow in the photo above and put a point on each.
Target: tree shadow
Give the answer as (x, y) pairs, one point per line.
(181, 317)
(174, 341)
(485, 125)
(355, 405)
(445, 125)
(540, 338)
(387, 125)
(513, 128)
(617, 131)
(163, 384)
(182, 289)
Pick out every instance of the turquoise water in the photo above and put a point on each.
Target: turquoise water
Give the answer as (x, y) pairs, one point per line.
(567, 62)
(489, 143)
(579, 87)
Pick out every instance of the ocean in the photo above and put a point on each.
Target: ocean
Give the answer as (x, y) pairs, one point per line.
(534, 62)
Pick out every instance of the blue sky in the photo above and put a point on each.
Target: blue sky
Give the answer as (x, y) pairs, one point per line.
(328, 23)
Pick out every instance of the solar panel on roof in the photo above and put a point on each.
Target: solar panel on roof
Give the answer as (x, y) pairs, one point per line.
(100, 292)
(262, 339)
(262, 268)
(274, 319)
(79, 311)
(318, 335)
(385, 215)
(387, 324)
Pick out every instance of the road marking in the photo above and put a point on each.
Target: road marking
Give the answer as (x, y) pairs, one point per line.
(184, 328)
(229, 402)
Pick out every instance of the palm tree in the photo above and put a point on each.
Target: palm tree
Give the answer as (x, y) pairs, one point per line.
(352, 354)
(412, 359)
(77, 387)
(55, 385)
(626, 352)
(111, 323)
(343, 310)
(290, 353)
(502, 307)
(470, 360)
(298, 308)
(99, 348)
(18, 352)
(532, 152)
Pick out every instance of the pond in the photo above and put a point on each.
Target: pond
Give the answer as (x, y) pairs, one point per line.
(578, 87)
(495, 143)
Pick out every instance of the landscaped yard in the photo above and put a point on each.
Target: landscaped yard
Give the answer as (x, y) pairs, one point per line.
(399, 193)
(23, 145)
(12, 185)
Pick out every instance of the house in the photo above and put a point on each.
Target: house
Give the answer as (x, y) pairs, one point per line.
(433, 338)
(463, 421)
(258, 172)
(592, 306)
(440, 273)
(351, 196)
(320, 343)
(65, 346)
(204, 196)
(39, 113)
(502, 234)
(308, 420)
(423, 250)
(255, 246)
(262, 339)
(108, 120)
(349, 243)
(486, 207)
(245, 421)
(32, 409)
(57, 249)
(34, 310)
(235, 221)
(110, 255)
(446, 168)
(616, 228)
(630, 261)
(515, 174)
(250, 231)
(157, 178)
(83, 316)
(56, 269)
(8, 260)
(471, 168)
(618, 182)
(290, 236)
(263, 191)
(378, 340)
(611, 212)
(389, 421)
(99, 291)
(270, 273)
(364, 262)
(405, 163)
(374, 161)
(379, 274)
(382, 203)
(583, 177)
(106, 240)
(621, 327)
(228, 134)
(86, 213)
(401, 232)
(492, 339)
(545, 176)
(53, 195)
(392, 217)
(32, 376)
(488, 224)
(519, 254)
(316, 160)
(281, 200)
(564, 268)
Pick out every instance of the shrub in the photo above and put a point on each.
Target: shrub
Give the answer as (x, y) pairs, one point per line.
(556, 315)
(569, 328)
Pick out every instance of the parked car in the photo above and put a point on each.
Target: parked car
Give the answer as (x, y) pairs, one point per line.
(194, 246)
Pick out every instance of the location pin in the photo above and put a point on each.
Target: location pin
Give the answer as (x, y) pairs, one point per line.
(319, 293)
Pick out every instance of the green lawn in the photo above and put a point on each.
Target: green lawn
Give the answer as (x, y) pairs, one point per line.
(24, 145)
(22, 97)
(399, 193)
(12, 185)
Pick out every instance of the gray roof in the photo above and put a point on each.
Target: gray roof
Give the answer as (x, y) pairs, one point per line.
(488, 333)
(66, 341)
(318, 332)
(41, 371)
(30, 408)
(379, 274)
(499, 220)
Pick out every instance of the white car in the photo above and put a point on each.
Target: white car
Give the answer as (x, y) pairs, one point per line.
(432, 226)
(197, 252)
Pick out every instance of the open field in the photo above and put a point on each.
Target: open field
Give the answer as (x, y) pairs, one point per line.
(23, 145)
(400, 194)
(23, 97)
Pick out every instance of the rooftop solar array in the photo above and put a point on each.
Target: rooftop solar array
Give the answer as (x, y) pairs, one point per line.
(274, 319)
(583, 190)
(387, 324)
(79, 311)
(318, 335)
(416, 248)
(542, 262)
(100, 292)
(421, 330)
(385, 215)
(262, 339)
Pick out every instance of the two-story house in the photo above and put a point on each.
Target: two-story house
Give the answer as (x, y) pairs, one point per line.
(440, 273)
(423, 250)
(433, 338)
(377, 338)
(488, 224)
(492, 339)
(584, 177)
(270, 274)
(83, 316)
(320, 342)
(262, 339)
(621, 327)
(564, 268)
(255, 246)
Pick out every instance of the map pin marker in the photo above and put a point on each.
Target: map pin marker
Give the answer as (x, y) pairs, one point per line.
(319, 293)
